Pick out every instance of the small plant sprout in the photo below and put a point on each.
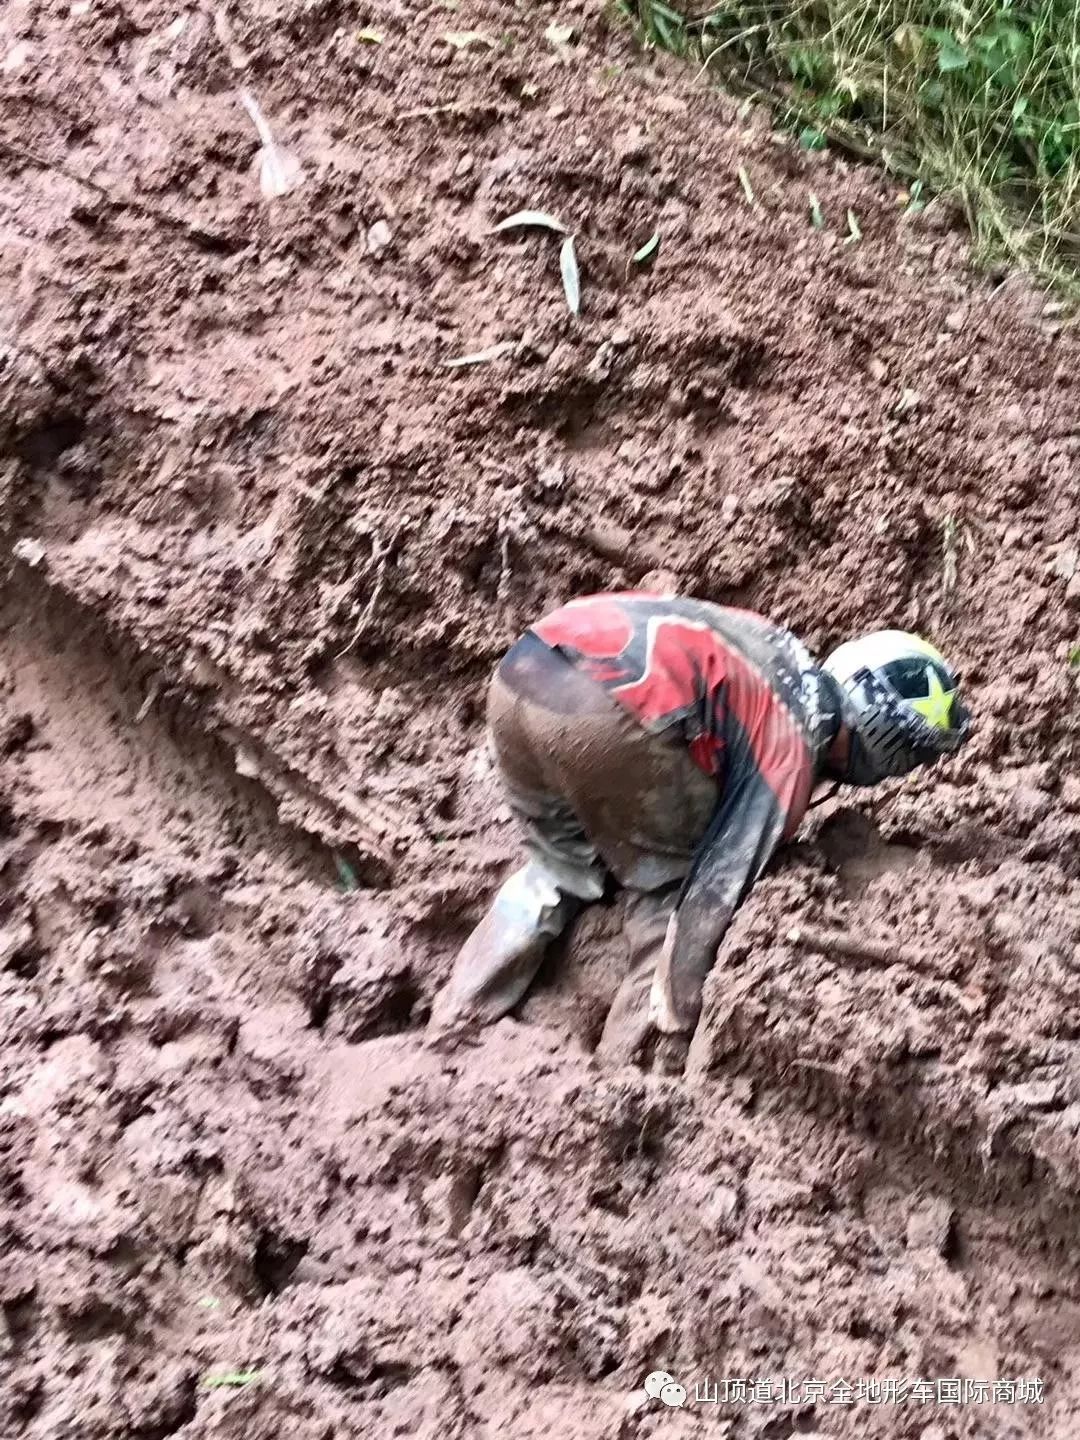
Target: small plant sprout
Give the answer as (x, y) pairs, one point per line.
(915, 202)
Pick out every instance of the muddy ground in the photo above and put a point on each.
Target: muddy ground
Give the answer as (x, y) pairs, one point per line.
(260, 549)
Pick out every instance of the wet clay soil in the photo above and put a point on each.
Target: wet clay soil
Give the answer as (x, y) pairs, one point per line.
(259, 549)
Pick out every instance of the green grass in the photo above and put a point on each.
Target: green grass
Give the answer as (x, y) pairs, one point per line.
(980, 101)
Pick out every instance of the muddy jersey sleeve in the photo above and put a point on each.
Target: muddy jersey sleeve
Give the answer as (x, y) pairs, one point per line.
(765, 793)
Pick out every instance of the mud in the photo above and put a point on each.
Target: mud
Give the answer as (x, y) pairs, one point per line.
(261, 548)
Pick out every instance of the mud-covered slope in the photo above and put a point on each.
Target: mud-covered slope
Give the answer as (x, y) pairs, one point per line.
(260, 548)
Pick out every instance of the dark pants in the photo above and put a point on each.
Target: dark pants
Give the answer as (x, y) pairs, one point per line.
(595, 794)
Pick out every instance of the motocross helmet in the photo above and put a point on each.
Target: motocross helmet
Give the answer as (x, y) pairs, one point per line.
(901, 703)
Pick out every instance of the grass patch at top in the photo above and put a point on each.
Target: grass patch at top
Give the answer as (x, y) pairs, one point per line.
(979, 100)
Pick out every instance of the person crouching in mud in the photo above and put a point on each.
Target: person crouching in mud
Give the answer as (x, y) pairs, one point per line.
(673, 744)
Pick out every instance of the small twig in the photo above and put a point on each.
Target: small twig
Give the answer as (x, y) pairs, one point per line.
(380, 554)
(505, 530)
(147, 705)
(614, 543)
(514, 525)
(822, 1065)
(427, 112)
(873, 952)
(949, 536)
(457, 107)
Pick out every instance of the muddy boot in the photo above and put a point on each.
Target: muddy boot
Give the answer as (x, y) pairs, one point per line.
(498, 961)
(629, 1036)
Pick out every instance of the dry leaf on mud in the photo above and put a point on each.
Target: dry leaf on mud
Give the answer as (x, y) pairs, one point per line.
(247, 763)
(1066, 564)
(234, 1378)
(481, 357)
(279, 170)
(347, 878)
(522, 219)
(379, 237)
(370, 37)
(909, 400)
(571, 277)
(559, 35)
(649, 250)
(462, 39)
(30, 552)
(16, 57)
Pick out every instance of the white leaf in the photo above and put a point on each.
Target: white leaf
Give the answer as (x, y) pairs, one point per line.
(462, 39)
(379, 237)
(16, 57)
(481, 357)
(557, 34)
(570, 277)
(649, 250)
(279, 170)
(523, 218)
(30, 552)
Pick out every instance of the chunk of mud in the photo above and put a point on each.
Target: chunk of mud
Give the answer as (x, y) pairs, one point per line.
(1031, 1094)
(932, 1226)
(17, 1281)
(370, 997)
(723, 1208)
(632, 146)
(511, 1320)
(162, 1402)
(449, 1200)
(770, 1197)
(16, 732)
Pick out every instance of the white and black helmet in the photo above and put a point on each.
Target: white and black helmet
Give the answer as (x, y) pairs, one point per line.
(901, 701)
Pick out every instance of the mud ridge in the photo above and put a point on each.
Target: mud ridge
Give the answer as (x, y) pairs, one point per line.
(313, 827)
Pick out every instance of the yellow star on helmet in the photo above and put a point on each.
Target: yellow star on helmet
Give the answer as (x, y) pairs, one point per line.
(935, 708)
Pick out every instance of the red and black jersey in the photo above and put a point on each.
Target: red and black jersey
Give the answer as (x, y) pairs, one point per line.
(748, 701)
